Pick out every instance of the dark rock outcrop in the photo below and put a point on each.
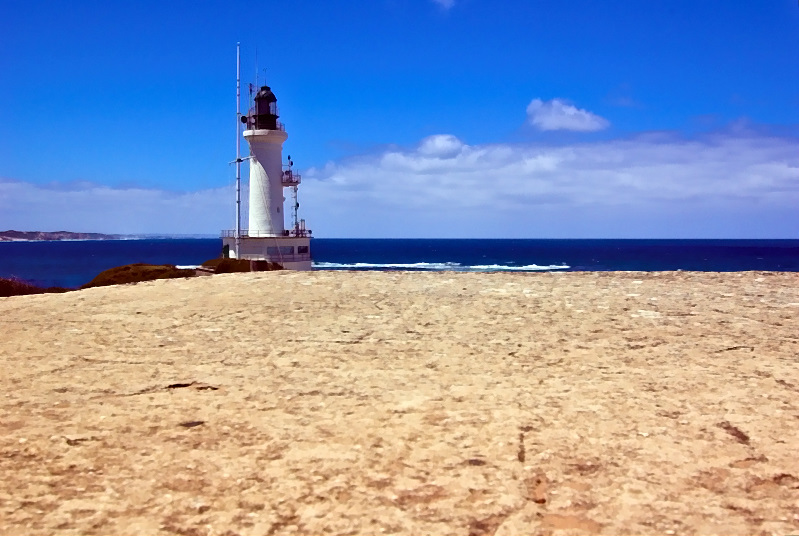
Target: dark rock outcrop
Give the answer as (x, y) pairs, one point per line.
(227, 266)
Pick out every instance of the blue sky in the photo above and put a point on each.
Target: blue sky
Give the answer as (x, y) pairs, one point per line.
(409, 118)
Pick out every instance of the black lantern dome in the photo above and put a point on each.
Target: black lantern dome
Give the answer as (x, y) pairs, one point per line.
(265, 114)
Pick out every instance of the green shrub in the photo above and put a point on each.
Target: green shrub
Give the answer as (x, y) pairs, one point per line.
(135, 273)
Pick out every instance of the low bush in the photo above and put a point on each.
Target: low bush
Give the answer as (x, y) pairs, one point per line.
(11, 286)
(135, 273)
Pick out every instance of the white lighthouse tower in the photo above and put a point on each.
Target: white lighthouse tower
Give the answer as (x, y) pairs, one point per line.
(266, 239)
(266, 135)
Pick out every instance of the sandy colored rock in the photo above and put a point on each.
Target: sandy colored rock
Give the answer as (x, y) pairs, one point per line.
(446, 403)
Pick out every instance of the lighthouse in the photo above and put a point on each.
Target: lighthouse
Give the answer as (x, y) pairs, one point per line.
(267, 239)
(266, 135)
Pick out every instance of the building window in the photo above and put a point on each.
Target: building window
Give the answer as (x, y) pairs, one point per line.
(273, 251)
(302, 250)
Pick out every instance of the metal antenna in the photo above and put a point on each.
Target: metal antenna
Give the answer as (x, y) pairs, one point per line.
(238, 149)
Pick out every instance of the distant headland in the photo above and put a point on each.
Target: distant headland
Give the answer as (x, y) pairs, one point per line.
(18, 236)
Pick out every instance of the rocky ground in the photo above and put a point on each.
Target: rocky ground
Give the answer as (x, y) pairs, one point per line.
(447, 403)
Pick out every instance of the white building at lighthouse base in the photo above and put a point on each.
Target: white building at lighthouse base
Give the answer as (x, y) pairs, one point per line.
(291, 252)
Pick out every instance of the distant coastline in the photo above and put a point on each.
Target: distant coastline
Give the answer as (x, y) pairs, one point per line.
(45, 236)
(33, 236)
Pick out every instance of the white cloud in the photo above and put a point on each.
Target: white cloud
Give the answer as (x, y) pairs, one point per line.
(734, 184)
(87, 207)
(557, 114)
(445, 4)
(441, 145)
(725, 185)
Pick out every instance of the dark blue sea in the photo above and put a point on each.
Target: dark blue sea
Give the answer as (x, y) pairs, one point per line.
(73, 263)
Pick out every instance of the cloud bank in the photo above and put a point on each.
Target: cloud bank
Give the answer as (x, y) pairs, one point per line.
(656, 185)
(557, 114)
(87, 207)
(733, 184)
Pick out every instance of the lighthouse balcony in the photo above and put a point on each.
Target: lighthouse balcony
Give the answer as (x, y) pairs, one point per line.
(288, 233)
(254, 127)
(290, 178)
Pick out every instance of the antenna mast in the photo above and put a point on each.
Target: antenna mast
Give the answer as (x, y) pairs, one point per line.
(238, 149)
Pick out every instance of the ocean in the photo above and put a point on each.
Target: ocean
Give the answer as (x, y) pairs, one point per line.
(73, 263)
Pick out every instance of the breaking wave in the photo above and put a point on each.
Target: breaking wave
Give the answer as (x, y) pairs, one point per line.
(437, 266)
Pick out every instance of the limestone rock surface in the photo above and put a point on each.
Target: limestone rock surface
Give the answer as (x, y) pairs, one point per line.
(405, 403)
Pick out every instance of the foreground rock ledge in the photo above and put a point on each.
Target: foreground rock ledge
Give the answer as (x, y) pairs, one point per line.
(332, 402)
